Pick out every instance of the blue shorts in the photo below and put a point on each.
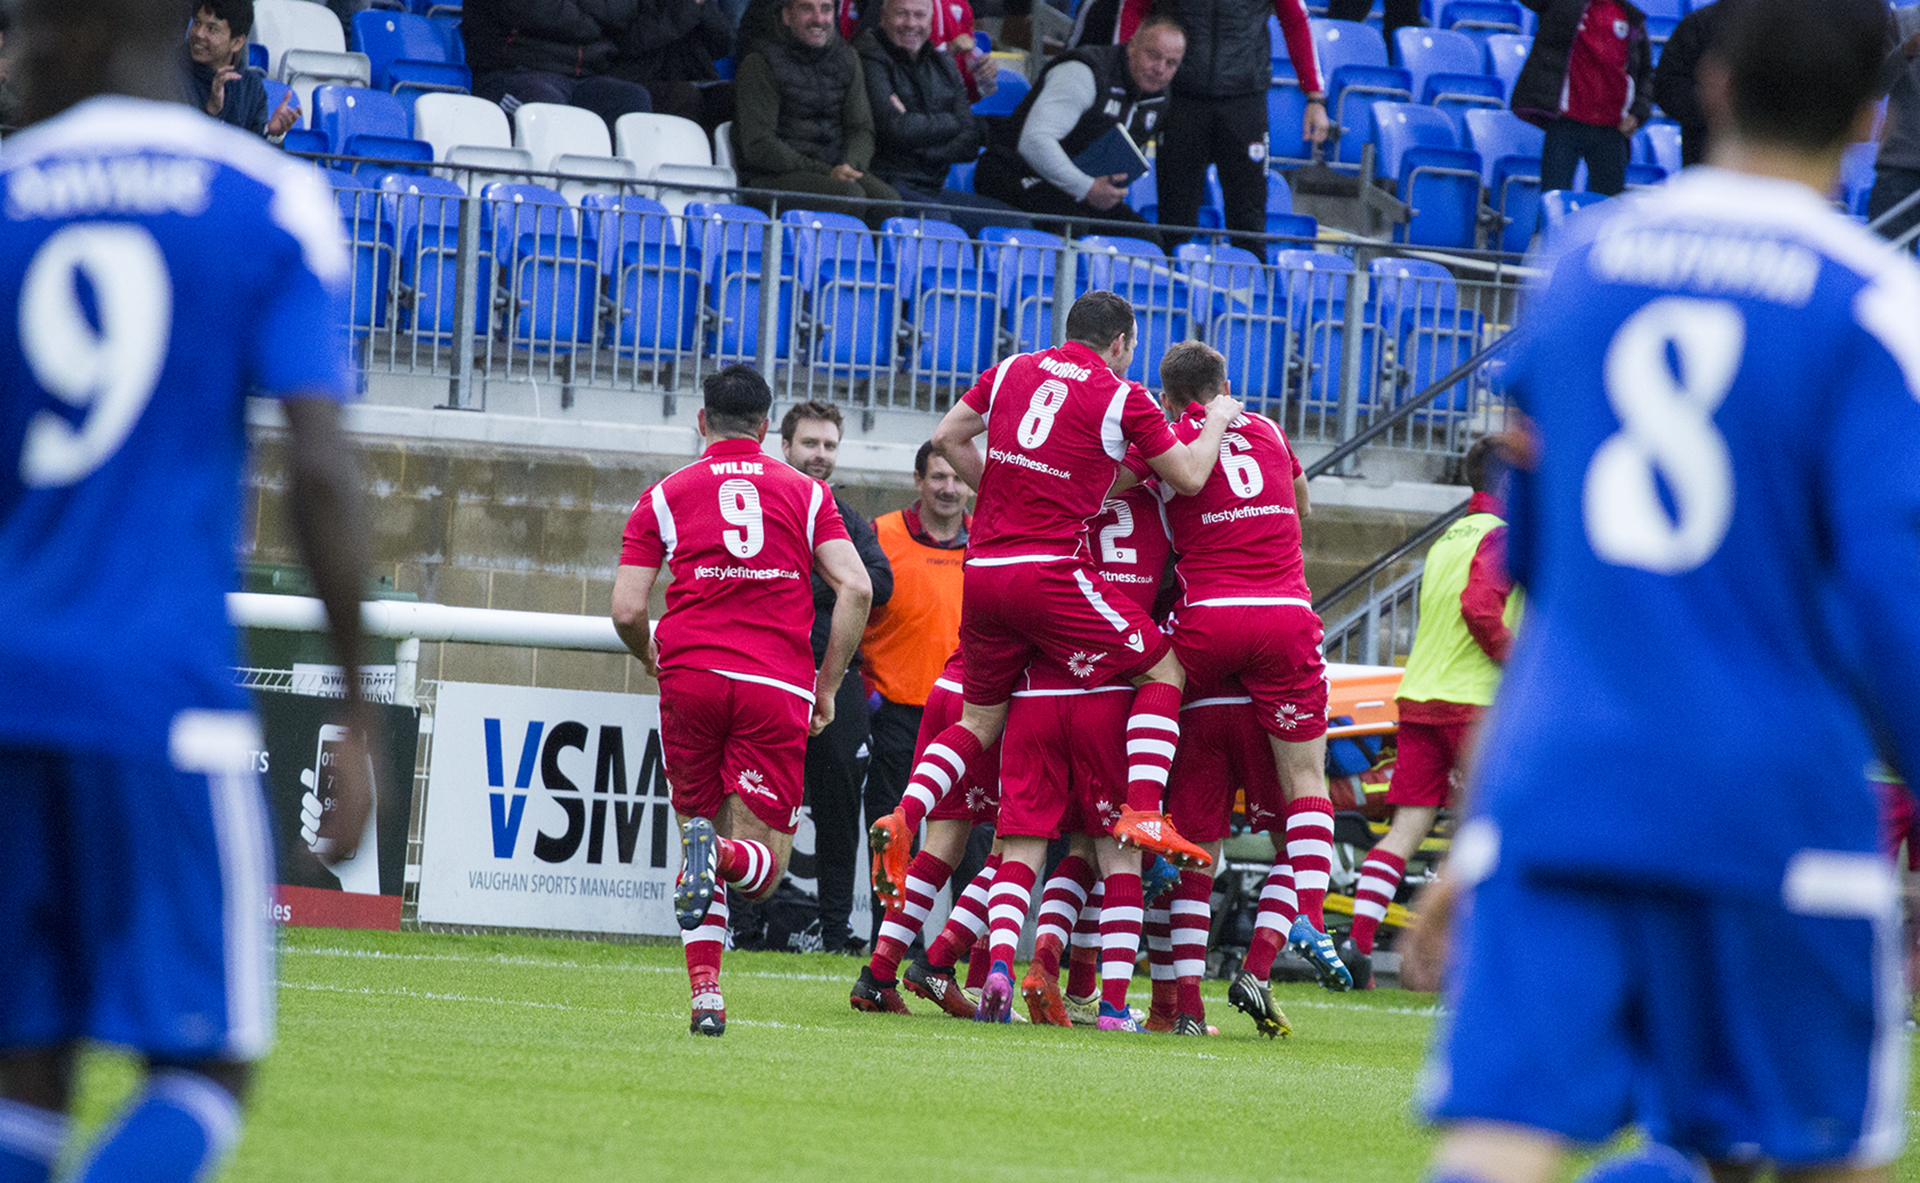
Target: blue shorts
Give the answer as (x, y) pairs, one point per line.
(1735, 1028)
(135, 897)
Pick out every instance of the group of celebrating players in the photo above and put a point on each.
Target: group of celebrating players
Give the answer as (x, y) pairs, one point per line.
(1061, 712)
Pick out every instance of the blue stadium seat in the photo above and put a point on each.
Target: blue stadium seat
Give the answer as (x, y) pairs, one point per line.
(1010, 89)
(729, 240)
(1231, 297)
(1143, 196)
(368, 242)
(258, 56)
(1509, 149)
(1420, 149)
(370, 124)
(1354, 57)
(654, 282)
(1018, 266)
(1286, 108)
(552, 282)
(305, 139)
(851, 296)
(407, 54)
(1292, 225)
(423, 218)
(950, 311)
(1429, 52)
(1310, 292)
(1139, 270)
(1658, 143)
(1482, 19)
(960, 177)
(448, 26)
(1857, 170)
(1662, 16)
(1506, 54)
(1558, 205)
(1419, 308)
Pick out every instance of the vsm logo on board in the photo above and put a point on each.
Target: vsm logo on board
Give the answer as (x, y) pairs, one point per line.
(607, 821)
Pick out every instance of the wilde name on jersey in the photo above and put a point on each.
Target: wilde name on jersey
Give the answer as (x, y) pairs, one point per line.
(629, 804)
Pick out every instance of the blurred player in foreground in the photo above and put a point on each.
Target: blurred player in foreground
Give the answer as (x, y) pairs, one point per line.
(1674, 908)
(135, 869)
(742, 535)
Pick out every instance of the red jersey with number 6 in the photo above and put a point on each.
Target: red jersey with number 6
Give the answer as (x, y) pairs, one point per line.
(1058, 423)
(1239, 536)
(738, 530)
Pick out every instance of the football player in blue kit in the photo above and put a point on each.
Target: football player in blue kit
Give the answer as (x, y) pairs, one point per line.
(1672, 910)
(159, 267)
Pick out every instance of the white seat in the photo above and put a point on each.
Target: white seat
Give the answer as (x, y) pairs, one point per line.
(485, 164)
(553, 129)
(305, 47)
(445, 120)
(723, 145)
(675, 199)
(612, 174)
(653, 140)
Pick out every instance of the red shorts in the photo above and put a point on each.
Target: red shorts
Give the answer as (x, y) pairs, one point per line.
(1063, 611)
(1427, 756)
(975, 800)
(1272, 649)
(720, 735)
(1899, 822)
(1066, 763)
(1223, 748)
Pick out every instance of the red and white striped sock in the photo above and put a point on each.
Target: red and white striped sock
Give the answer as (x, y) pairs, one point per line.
(1379, 879)
(980, 961)
(1157, 932)
(1310, 851)
(967, 921)
(926, 875)
(1191, 917)
(1121, 919)
(705, 944)
(1007, 909)
(747, 865)
(1278, 908)
(943, 764)
(1153, 730)
(1083, 970)
(1060, 903)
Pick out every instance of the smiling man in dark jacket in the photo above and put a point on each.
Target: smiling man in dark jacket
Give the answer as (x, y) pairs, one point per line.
(552, 51)
(1588, 82)
(922, 121)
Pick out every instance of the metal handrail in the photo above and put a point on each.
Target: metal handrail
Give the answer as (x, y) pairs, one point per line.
(1404, 411)
(1422, 537)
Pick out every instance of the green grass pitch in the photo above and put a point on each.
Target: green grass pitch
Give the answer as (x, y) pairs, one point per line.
(415, 1057)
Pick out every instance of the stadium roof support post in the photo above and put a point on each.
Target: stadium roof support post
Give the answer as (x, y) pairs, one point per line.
(466, 299)
(771, 243)
(1064, 264)
(1352, 353)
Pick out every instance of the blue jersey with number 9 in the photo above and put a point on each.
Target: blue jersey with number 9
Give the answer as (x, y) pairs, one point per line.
(1720, 541)
(163, 267)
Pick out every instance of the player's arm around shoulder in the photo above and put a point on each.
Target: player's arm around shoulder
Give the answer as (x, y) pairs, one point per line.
(1186, 467)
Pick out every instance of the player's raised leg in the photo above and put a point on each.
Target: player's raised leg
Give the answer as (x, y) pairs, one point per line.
(878, 986)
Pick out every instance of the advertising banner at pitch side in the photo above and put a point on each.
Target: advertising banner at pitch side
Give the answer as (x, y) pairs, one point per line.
(548, 809)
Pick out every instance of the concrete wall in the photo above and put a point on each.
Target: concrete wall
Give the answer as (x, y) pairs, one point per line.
(489, 525)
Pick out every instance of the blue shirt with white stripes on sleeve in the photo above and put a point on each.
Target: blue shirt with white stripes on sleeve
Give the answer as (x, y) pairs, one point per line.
(163, 267)
(1720, 542)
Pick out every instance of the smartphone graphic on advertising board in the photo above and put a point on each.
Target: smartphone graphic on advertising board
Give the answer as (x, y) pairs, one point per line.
(361, 873)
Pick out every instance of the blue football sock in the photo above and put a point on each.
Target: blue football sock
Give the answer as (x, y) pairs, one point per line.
(30, 1140)
(175, 1131)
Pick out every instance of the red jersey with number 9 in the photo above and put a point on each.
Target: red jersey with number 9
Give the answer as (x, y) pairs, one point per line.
(737, 529)
(1239, 536)
(1058, 423)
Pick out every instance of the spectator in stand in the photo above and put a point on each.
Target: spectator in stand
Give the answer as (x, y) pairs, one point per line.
(224, 86)
(671, 50)
(1082, 95)
(908, 642)
(1218, 115)
(1400, 14)
(837, 757)
(1676, 79)
(1587, 81)
(1897, 167)
(802, 122)
(552, 51)
(923, 123)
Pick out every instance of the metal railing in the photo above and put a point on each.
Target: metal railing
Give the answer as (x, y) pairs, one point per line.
(641, 287)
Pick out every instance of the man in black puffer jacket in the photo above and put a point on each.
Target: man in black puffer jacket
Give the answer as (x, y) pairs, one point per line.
(923, 123)
(552, 51)
(671, 50)
(801, 120)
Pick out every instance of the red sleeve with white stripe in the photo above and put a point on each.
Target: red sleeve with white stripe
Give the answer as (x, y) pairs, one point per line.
(979, 396)
(1299, 35)
(642, 545)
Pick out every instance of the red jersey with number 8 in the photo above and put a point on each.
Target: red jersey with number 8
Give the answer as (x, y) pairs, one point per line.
(738, 530)
(1058, 423)
(1239, 536)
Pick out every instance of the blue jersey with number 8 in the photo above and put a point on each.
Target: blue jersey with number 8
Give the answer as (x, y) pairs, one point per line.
(1720, 541)
(163, 267)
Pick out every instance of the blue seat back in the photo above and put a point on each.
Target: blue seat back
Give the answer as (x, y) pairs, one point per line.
(1558, 205)
(960, 177)
(1279, 194)
(1134, 267)
(1143, 196)
(387, 37)
(1286, 108)
(1426, 52)
(1661, 142)
(1496, 135)
(258, 56)
(530, 216)
(1295, 225)
(342, 111)
(619, 230)
(921, 250)
(1464, 91)
(1009, 89)
(1482, 17)
(305, 139)
(1403, 287)
(1347, 43)
(1220, 278)
(1019, 258)
(1506, 53)
(1405, 126)
(1304, 277)
(821, 243)
(729, 237)
(1858, 167)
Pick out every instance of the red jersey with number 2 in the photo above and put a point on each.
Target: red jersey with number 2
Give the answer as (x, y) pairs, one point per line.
(1130, 548)
(738, 530)
(1240, 534)
(1058, 424)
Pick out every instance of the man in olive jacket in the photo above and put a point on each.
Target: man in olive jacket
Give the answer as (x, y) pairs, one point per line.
(802, 123)
(923, 122)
